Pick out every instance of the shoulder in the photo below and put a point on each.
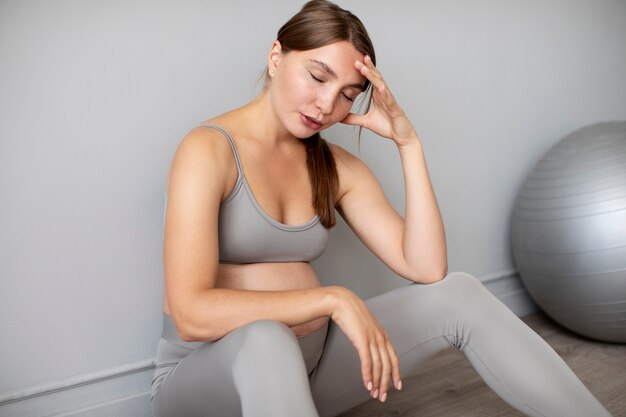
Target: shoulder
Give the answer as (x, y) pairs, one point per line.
(343, 158)
(351, 170)
(203, 153)
(347, 163)
(205, 139)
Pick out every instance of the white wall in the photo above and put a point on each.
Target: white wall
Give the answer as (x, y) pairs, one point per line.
(95, 96)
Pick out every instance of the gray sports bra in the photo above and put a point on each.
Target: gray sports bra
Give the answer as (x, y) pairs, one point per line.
(248, 234)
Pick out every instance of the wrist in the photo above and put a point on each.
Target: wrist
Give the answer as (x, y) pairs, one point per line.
(409, 141)
(408, 145)
(333, 298)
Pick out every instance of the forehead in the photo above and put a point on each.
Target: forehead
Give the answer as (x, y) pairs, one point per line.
(339, 56)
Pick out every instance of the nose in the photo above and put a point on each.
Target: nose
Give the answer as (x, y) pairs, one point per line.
(325, 102)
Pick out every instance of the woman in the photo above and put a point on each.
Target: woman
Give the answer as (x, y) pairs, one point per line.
(248, 330)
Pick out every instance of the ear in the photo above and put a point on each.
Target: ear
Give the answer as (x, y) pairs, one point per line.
(274, 56)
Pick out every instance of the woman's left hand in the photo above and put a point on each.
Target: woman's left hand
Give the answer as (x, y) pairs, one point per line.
(385, 116)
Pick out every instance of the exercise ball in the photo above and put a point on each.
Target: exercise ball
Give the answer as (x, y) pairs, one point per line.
(568, 232)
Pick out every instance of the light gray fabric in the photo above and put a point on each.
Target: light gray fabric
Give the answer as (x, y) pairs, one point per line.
(258, 370)
(172, 349)
(248, 234)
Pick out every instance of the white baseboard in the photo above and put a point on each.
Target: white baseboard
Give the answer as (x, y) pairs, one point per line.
(124, 391)
(120, 391)
(508, 287)
(131, 406)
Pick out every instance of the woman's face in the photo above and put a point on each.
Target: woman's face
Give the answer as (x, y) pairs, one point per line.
(312, 90)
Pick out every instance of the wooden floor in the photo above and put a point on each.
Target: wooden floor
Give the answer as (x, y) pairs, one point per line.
(448, 385)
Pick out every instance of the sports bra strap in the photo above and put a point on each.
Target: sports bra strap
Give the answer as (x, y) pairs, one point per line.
(232, 146)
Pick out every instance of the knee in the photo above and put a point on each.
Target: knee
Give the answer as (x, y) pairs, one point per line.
(460, 289)
(267, 346)
(268, 338)
(463, 280)
(263, 332)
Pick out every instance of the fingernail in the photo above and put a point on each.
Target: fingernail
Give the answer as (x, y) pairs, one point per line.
(369, 386)
(375, 394)
(383, 398)
(399, 385)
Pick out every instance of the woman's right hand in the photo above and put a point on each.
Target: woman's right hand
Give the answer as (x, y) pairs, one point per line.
(379, 361)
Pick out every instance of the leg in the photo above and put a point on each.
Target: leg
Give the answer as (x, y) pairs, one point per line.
(459, 311)
(256, 370)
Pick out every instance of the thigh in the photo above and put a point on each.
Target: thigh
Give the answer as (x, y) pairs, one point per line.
(201, 384)
(417, 320)
(255, 370)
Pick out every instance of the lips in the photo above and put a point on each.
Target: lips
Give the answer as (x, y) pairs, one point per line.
(310, 122)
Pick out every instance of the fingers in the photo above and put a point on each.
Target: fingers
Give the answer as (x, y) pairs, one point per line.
(395, 366)
(355, 119)
(379, 361)
(376, 369)
(379, 366)
(369, 71)
(390, 367)
(366, 367)
(384, 378)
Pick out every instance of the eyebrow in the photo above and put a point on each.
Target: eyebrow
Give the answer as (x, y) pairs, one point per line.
(333, 74)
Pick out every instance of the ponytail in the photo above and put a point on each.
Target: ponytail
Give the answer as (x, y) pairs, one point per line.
(324, 179)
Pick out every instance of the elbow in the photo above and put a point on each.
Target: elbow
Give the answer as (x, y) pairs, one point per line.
(431, 278)
(438, 275)
(186, 334)
(194, 334)
(183, 329)
(189, 331)
(192, 321)
(426, 268)
(428, 275)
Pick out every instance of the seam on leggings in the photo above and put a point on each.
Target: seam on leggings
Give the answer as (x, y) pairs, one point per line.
(484, 364)
(503, 385)
(234, 379)
(428, 340)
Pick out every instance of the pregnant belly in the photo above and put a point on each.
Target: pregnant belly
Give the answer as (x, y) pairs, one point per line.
(268, 276)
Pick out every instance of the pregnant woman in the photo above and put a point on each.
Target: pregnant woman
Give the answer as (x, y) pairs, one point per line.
(251, 197)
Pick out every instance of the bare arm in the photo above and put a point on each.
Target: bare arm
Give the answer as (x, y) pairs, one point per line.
(424, 240)
(213, 313)
(414, 247)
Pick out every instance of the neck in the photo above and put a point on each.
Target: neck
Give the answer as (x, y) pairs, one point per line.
(265, 124)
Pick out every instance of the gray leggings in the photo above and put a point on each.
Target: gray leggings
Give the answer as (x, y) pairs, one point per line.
(263, 369)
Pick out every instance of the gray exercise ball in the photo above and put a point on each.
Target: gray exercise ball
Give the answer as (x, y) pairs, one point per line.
(568, 232)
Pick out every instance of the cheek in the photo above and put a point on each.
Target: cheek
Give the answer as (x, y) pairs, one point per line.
(296, 89)
(305, 91)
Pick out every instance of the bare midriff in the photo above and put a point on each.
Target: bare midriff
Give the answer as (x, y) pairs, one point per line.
(270, 276)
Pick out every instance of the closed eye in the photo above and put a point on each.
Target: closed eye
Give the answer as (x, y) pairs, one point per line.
(347, 97)
(315, 78)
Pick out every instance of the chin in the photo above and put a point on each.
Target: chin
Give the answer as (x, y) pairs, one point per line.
(302, 132)
(307, 135)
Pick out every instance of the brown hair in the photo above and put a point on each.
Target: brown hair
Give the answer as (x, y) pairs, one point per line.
(320, 23)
